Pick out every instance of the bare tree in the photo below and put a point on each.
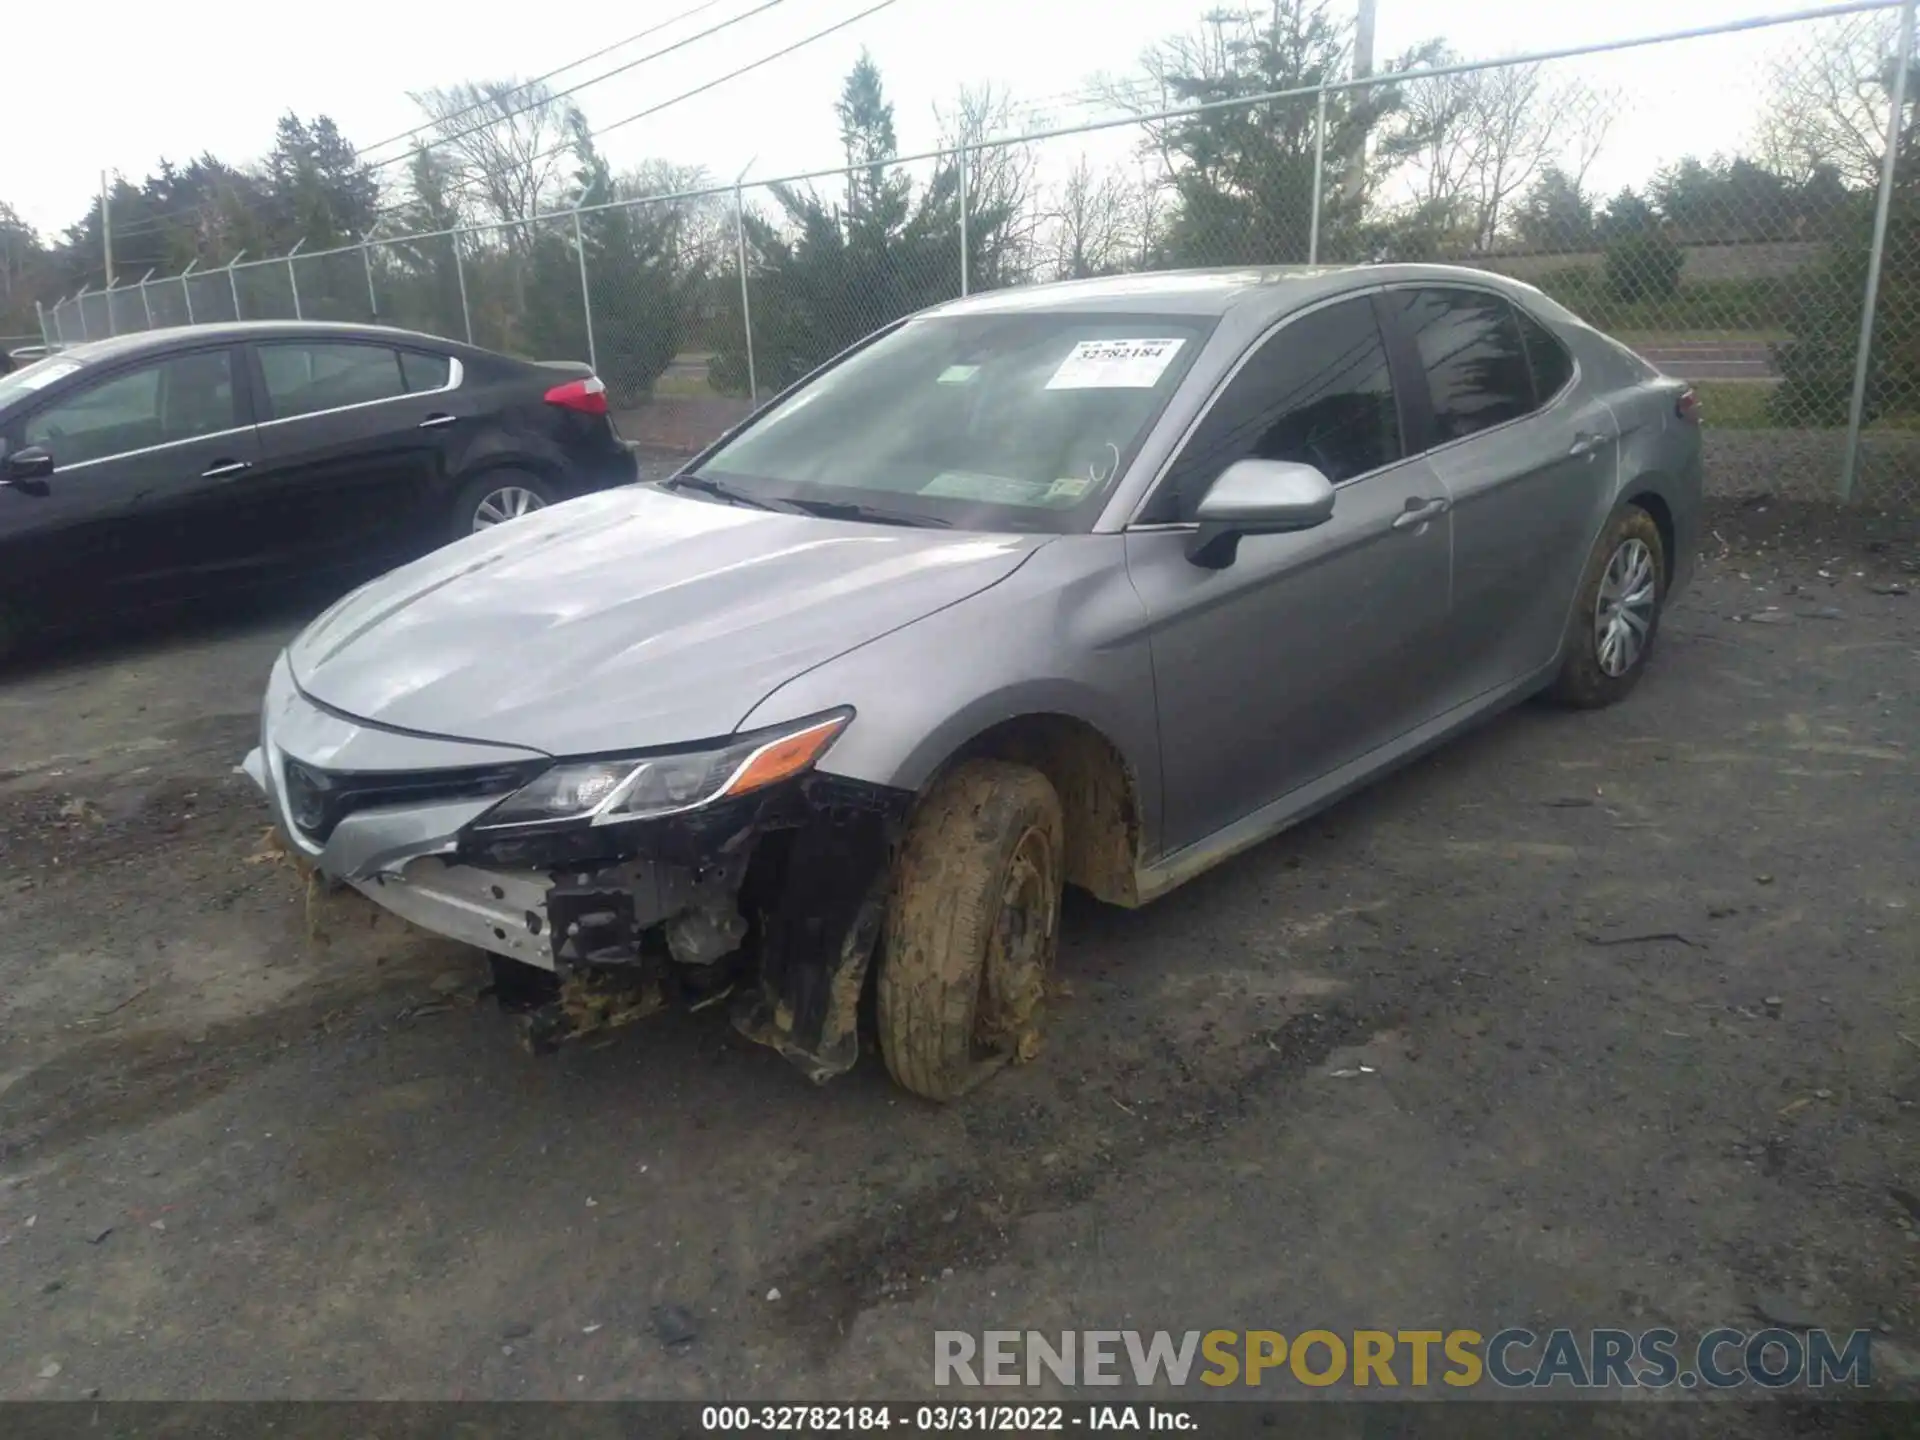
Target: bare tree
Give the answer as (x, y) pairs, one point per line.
(503, 144)
(1000, 178)
(1485, 136)
(1092, 230)
(706, 220)
(1149, 208)
(1827, 107)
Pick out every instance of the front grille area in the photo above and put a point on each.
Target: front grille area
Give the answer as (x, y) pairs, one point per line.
(318, 800)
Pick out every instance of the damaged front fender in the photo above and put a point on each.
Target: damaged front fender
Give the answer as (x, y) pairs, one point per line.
(817, 936)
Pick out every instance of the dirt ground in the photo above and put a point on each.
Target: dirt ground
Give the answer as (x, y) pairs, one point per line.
(1637, 993)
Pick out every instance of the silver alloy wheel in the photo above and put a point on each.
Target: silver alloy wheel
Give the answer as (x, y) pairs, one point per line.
(503, 504)
(1623, 612)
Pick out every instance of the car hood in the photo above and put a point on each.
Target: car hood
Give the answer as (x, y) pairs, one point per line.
(628, 619)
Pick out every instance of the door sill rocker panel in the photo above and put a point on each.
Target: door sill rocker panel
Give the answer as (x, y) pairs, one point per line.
(1172, 871)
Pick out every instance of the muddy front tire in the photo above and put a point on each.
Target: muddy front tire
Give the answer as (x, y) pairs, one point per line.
(972, 926)
(1616, 617)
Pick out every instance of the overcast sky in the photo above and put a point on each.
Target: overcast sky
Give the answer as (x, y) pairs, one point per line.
(128, 85)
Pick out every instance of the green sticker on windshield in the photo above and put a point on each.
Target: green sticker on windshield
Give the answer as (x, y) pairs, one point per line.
(1069, 487)
(958, 374)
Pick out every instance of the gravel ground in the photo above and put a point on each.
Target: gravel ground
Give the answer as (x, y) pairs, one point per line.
(1601, 1019)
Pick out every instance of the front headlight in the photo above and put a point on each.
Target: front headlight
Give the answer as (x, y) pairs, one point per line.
(645, 787)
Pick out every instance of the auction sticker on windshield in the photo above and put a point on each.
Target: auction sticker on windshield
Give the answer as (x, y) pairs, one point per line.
(1115, 365)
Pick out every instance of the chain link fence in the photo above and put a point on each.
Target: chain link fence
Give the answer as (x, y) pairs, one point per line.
(1728, 202)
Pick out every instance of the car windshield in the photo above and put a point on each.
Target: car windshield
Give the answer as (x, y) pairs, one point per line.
(37, 376)
(982, 422)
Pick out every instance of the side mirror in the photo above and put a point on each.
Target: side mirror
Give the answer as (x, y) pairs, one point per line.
(32, 463)
(1257, 497)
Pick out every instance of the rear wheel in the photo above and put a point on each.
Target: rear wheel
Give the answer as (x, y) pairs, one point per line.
(972, 927)
(1617, 615)
(497, 497)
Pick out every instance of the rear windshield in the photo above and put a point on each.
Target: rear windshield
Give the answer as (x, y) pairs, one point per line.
(37, 376)
(984, 422)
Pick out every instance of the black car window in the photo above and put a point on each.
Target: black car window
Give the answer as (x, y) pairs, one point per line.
(1469, 344)
(1551, 364)
(156, 404)
(305, 378)
(424, 372)
(1317, 391)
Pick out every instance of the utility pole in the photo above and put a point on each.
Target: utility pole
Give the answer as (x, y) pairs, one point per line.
(106, 227)
(1363, 25)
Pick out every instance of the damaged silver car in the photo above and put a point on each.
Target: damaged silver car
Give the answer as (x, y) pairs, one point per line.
(1091, 584)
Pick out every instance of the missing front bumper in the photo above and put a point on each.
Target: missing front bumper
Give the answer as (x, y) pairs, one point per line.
(778, 902)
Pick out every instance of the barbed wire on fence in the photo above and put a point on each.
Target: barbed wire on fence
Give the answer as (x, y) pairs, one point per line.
(1781, 273)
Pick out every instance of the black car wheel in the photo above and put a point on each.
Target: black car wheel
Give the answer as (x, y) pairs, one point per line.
(497, 497)
(1616, 618)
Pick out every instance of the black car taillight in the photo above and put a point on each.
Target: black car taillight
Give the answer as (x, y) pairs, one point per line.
(1687, 407)
(588, 396)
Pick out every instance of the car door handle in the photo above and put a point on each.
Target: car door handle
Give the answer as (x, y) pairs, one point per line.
(1587, 445)
(225, 467)
(434, 422)
(1419, 511)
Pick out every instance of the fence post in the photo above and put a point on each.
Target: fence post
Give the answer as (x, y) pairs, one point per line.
(146, 306)
(963, 220)
(40, 314)
(746, 304)
(80, 305)
(1876, 253)
(186, 288)
(366, 260)
(233, 285)
(460, 274)
(586, 295)
(293, 282)
(1319, 173)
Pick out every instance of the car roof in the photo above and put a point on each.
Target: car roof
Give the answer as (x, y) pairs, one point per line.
(1268, 289)
(139, 341)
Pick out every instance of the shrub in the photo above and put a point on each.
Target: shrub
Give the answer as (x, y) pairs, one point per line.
(1816, 365)
(1644, 265)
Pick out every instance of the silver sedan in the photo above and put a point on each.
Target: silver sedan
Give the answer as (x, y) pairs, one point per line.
(1092, 584)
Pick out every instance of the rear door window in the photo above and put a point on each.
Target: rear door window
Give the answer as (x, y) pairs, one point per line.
(305, 379)
(424, 372)
(1476, 364)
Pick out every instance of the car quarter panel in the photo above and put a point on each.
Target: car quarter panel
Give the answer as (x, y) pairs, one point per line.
(1066, 635)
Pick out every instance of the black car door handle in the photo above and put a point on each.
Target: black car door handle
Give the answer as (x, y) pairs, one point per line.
(1419, 512)
(434, 422)
(225, 467)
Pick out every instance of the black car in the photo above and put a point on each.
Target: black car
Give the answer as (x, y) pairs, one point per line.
(171, 464)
